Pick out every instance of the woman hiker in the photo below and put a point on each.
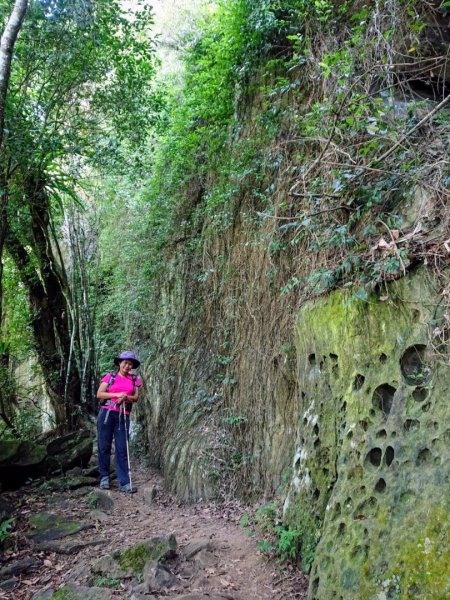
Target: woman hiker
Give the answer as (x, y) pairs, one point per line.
(117, 391)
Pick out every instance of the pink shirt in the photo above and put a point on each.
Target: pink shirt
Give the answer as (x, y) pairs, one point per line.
(121, 384)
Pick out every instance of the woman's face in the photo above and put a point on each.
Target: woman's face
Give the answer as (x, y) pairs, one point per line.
(125, 366)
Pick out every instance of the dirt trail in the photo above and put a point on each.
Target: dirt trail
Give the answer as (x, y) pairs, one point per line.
(234, 569)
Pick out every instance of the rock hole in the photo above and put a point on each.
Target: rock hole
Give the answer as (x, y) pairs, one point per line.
(315, 586)
(437, 460)
(383, 397)
(367, 507)
(317, 443)
(374, 457)
(420, 394)
(393, 434)
(335, 370)
(380, 486)
(312, 360)
(325, 472)
(364, 423)
(305, 421)
(424, 457)
(316, 429)
(382, 358)
(426, 407)
(413, 365)
(389, 455)
(321, 365)
(358, 382)
(372, 412)
(411, 425)
(337, 509)
(341, 529)
(343, 407)
(334, 357)
(349, 503)
(359, 553)
(350, 434)
(436, 426)
(382, 434)
(303, 395)
(316, 494)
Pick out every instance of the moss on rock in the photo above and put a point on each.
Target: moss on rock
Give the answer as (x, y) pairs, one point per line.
(370, 467)
(135, 557)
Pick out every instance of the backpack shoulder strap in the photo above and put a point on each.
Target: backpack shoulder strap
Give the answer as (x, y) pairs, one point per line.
(134, 376)
(112, 377)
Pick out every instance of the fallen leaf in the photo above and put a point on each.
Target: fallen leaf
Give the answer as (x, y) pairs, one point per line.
(48, 563)
(30, 581)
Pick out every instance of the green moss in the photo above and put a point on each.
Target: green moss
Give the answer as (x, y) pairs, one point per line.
(42, 522)
(422, 567)
(63, 593)
(134, 558)
(367, 472)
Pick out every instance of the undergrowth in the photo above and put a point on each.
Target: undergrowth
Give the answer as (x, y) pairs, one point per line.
(276, 539)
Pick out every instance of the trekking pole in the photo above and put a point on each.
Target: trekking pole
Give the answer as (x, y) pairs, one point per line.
(128, 447)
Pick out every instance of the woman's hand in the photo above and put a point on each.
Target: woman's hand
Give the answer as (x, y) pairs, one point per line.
(122, 397)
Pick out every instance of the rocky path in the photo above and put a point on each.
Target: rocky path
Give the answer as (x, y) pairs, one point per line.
(214, 557)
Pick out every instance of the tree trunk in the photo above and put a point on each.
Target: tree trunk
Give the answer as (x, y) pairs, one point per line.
(7, 42)
(48, 292)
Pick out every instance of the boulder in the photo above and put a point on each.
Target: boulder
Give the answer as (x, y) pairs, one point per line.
(158, 548)
(157, 577)
(150, 495)
(69, 546)
(44, 594)
(196, 546)
(100, 500)
(76, 592)
(108, 566)
(18, 567)
(21, 460)
(69, 451)
(46, 526)
(6, 509)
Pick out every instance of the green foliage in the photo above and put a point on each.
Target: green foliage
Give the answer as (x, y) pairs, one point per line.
(267, 516)
(27, 422)
(16, 331)
(235, 420)
(108, 582)
(5, 529)
(288, 547)
(246, 523)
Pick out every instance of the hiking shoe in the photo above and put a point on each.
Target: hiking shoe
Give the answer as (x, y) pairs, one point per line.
(128, 489)
(104, 483)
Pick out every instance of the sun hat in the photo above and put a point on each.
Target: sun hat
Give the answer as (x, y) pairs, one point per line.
(131, 356)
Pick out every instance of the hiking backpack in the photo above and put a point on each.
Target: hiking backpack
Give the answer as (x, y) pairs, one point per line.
(112, 377)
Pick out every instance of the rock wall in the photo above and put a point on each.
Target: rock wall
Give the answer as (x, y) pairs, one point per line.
(371, 467)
